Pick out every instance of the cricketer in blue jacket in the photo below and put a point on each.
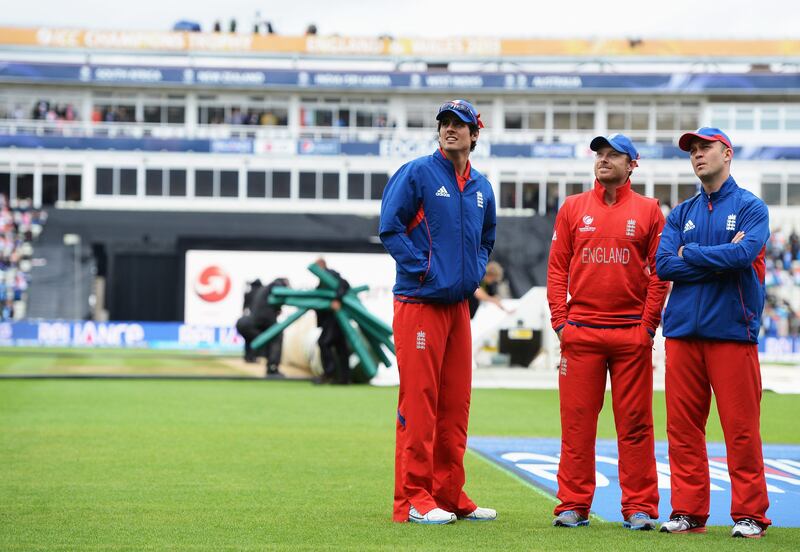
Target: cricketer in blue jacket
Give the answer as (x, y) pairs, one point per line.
(438, 223)
(712, 248)
(719, 286)
(440, 236)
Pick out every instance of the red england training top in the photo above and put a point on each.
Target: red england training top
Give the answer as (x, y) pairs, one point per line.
(604, 256)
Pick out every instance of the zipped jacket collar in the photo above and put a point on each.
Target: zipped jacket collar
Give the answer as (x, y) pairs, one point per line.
(622, 192)
(441, 157)
(728, 187)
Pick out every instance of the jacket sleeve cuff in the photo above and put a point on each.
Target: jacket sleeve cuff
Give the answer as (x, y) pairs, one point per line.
(691, 249)
(559, 327)
(650, 331)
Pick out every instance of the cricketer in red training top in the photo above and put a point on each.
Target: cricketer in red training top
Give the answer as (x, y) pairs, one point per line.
(603, 254)
(438, 223)
(713, 250)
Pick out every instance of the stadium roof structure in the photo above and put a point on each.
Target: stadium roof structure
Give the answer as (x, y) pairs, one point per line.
(432, 50)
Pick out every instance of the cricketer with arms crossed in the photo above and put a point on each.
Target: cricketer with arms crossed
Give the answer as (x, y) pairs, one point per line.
(713, 249)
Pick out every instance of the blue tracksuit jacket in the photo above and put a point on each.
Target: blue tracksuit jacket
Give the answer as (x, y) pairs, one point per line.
(439, 236)
(719, 286)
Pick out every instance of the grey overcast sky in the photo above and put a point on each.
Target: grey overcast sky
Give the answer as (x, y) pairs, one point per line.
(764, 19)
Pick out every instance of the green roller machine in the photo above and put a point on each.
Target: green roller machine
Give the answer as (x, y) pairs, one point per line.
(366, 334)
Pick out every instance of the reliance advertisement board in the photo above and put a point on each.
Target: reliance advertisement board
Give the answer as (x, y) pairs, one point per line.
(216, 280)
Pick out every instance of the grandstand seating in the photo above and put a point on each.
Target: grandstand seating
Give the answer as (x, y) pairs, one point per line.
(782, 309)
(179, 142)
(20, 225)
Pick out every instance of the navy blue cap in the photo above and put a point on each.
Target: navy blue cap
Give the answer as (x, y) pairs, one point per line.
(465, 111)
(619, 142)
(710, 134)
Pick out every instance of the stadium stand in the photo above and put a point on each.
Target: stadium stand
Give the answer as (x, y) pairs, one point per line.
(145, 144)
(781, 317)
(20, 225)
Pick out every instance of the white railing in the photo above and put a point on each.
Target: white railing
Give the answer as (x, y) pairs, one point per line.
(90, 129)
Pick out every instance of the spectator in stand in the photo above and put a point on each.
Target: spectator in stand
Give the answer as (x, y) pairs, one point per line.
(770, 324)
(780, 319)
(259, 24)
(236, 117)
(217, 26)
(268, 118)
(249, 116)
(19, 226)
(126, 115)
(776, 245)
(782, 276)
(43, 110)
(8, 310)
(40, 110)
(69, 113)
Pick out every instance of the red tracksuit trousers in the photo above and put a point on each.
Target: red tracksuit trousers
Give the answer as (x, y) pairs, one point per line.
(434, 356)
(586, 355)
(731, 369)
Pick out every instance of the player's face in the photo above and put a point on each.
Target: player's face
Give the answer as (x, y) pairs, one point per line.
(708, 158)
(611, 166)
(454, 134)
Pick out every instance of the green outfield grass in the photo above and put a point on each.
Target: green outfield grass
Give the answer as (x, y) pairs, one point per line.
(74, 361)
(251, 465)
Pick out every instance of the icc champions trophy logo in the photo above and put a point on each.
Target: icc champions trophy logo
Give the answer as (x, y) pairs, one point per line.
(213, 284)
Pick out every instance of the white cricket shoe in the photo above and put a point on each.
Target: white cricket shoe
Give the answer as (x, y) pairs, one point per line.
(748, 529)
(481, 514)
(437, 516)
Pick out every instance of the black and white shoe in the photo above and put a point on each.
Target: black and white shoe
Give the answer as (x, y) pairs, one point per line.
(682, 524)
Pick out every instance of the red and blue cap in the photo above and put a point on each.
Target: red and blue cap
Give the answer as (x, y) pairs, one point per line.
(710, 134)
(619, 142)
(464, 110)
